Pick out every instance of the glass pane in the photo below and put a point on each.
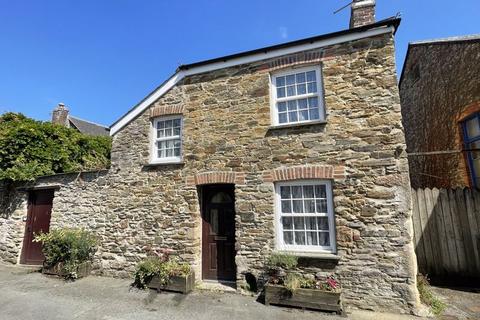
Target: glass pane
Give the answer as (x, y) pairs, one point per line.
(170, 143)
(473, 128)
(290, 79)
(288, 237)
(322, 206)
(302, 104)
(308, 191)
(168, 132)
(176, 122)
(290, 91)
(168, 123)
(297, 206)
(309, 206)
(161, 153)
(303, 115)
(300, 77)
(292, 105)
(287, 223)
(221, 197)
(300, 238)
(177, 143)
(312, 87)
(169, 153)
(297, 192)
(280, 81)
(312, 238)
(313, 102)
(285, 192)
(282, 106)
(314, 114)
(282, 118)
(286, 206)
(280, 92)
(176, 131)
(311, 76)
(320, 191)
(160, 133)
(177, 152)
(214, 221)
(311, 223)
(324, 239)
(301, 89)
(322, 223)
(476, 165)
(299, 223)
(293, 117)
(160, 124)
(161, 145)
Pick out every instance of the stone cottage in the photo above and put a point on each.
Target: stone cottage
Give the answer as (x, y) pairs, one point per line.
(296, 148)
(441, 110)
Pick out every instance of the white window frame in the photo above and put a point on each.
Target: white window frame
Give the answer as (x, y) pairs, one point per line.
(154, 159)
(279, 243)
(274, 99)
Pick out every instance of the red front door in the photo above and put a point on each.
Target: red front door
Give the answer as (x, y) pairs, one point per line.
(218, 248)
(38, 220)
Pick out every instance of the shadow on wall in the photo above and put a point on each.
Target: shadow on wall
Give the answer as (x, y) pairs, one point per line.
(447, 234)
(10, 200)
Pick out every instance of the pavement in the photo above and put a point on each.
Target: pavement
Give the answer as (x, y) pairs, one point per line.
(462, 303)
(26, 294)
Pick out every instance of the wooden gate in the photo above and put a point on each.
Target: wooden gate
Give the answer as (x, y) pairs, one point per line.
(447, 231)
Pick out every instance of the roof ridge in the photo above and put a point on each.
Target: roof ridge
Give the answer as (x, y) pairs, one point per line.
(91, 122)
(475, 36)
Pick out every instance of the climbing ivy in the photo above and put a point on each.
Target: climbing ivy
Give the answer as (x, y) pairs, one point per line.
(30, 148)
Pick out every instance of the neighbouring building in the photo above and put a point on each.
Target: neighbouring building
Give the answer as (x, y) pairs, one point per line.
(297, 148)
(440, 96)
(61, 115)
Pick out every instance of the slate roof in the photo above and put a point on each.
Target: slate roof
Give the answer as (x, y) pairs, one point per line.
(88, 127)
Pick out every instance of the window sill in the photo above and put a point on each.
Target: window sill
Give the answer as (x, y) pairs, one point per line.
(157, 164)
(294, 125)
(314, 255)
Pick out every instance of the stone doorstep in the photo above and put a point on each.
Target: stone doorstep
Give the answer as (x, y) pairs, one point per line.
(213, 285)
(371, 315)
(23, 268)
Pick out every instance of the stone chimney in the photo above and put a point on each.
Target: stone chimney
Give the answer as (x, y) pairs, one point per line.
(60, 115)
(363, 13)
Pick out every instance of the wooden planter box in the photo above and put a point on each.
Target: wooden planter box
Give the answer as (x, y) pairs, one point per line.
(303, 298)
(83, 269)
(176, 284)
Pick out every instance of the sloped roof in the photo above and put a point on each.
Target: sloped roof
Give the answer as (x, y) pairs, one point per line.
(88, 127)
(440, 41)
(380, 27)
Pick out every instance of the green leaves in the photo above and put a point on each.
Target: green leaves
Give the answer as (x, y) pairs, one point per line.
(30, 148)
(155, 266)
(70, 247)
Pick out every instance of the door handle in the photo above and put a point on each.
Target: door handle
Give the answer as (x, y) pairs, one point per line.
(220, 238)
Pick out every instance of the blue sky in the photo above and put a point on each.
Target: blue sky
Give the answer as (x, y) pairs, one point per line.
(101, 57)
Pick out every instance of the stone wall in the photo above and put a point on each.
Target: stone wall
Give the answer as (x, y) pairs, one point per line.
(439, 89)
(136, 207)
(13, 208)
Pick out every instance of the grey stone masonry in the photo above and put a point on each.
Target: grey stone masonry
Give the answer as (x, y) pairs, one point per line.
(228, 136)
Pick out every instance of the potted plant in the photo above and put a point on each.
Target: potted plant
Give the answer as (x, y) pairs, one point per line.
(164, 272)
(68, 252)
(285, 287)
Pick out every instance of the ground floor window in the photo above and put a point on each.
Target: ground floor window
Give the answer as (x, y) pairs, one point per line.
(471, 136)
(304, 213)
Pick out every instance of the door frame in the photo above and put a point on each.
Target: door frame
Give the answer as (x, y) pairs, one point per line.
(204, 192)
(27, 235)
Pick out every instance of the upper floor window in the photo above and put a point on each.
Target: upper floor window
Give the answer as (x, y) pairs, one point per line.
(297, 97)
(304, 213)
(167, 139)
(471, 134)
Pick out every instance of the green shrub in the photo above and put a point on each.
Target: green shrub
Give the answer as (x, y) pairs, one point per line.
(427, 297)
(282, 260)
(30, 148)
(70, 247)
(164, 268)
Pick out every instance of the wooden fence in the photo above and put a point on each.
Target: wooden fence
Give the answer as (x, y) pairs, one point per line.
(446, 226)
